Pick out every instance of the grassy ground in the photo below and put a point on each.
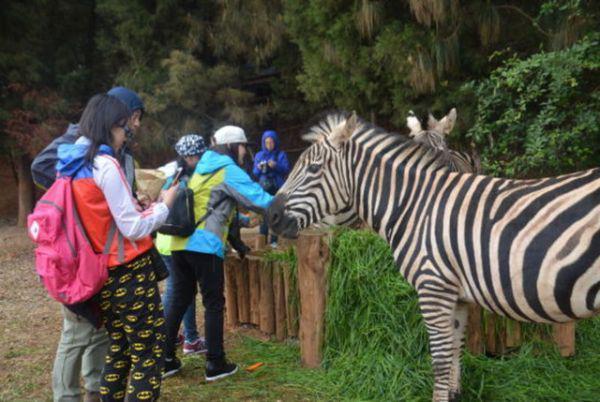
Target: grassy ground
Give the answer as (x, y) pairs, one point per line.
(376, 344)
(30, 325)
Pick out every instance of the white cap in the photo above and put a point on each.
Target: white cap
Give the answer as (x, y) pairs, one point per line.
(230, 135)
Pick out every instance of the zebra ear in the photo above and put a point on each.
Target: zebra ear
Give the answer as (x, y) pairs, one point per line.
(447, 123)
(413, 123)
(344, 133)
(432, 122)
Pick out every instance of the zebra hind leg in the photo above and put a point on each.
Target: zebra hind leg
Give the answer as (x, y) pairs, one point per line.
(460, 325)
(438, 309)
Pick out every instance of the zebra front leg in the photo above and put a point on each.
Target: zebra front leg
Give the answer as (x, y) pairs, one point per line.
(438, 313)
(461, 314)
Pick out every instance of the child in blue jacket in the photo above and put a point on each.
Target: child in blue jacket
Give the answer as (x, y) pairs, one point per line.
(271, 167)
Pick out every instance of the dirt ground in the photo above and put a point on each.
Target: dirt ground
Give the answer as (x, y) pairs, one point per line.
(30, 324)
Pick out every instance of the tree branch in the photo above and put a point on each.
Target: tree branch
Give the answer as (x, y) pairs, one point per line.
(527, 16)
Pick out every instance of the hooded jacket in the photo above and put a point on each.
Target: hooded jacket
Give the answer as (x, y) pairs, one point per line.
(218, 184)
(279, 173)
(106, 205)
(43, 168)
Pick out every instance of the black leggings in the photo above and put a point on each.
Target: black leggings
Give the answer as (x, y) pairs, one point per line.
(191, 268)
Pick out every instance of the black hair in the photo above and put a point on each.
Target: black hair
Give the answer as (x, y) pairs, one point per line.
(101, 113)
(231, 150)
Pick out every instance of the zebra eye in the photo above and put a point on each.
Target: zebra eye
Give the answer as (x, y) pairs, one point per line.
(314, 167)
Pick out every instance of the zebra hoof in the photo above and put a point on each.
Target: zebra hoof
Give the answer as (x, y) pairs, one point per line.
(454, 396)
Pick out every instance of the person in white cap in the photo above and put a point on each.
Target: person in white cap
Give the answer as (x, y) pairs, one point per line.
(219, 184)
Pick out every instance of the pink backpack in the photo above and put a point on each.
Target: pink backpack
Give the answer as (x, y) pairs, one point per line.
(64, 258)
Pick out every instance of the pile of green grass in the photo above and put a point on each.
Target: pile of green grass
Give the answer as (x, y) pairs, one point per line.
(376, 344)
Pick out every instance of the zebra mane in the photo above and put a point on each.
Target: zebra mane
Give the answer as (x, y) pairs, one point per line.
(328, 122)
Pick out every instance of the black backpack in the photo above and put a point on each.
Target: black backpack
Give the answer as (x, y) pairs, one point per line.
(181, 220)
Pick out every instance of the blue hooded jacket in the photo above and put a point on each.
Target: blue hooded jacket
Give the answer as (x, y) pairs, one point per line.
(279, 173)
(218, 184)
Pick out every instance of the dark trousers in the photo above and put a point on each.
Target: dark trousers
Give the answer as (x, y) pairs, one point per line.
(189, 269)
(264, 227)
(133, 316)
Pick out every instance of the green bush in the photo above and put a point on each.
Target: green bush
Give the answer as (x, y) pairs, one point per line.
(540, 116)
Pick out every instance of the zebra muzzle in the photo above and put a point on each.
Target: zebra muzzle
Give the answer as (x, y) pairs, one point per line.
(279, 221)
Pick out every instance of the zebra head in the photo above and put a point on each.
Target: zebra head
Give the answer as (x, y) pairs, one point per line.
(435, 135)
(318, 186)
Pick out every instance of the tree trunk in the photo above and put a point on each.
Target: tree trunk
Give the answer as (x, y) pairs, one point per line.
(25, 185)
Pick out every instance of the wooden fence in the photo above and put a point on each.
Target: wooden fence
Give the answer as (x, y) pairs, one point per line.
(284, 302)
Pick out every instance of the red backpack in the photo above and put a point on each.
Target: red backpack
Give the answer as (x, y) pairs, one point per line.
(70, 269)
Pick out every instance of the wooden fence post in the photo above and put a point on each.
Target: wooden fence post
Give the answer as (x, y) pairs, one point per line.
(260, 242)
(291, 301)
(254, 288)
(243, 297)
(564, 336)
(313, 255)
(267, 310)
(474, 329)
(231, 310)
(279, 298)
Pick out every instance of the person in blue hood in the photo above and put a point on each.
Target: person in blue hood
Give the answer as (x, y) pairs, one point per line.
(43, 168)
(271, 167)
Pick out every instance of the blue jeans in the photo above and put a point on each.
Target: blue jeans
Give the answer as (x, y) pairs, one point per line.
(190, 331)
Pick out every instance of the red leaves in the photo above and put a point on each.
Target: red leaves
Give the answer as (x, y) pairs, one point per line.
(42, 116)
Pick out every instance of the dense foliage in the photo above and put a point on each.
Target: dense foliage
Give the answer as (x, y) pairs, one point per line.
(523, 75)
(540, 116)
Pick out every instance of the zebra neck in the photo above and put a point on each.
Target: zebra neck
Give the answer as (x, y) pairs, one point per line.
(390, 181)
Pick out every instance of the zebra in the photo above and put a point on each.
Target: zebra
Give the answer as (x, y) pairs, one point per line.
(525, 249)
(435, 137)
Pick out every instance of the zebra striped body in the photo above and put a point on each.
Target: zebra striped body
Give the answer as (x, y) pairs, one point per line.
(526, 249)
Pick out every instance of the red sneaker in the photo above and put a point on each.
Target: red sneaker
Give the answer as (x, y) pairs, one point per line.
(194, 348)
(179, 340)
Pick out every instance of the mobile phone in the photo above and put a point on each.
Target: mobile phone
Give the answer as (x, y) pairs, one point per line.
(178, 174)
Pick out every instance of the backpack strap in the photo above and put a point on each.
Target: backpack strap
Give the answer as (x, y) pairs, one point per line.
(210, 210)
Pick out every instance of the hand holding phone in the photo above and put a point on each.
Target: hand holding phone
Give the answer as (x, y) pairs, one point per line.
(177, 176)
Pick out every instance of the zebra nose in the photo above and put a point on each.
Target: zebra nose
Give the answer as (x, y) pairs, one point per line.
(275, 212)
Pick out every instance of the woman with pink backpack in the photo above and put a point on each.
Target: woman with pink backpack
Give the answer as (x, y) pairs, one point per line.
(116, 225)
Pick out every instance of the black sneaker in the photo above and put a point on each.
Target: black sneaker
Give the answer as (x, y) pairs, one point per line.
(215, 370)
(172, 367)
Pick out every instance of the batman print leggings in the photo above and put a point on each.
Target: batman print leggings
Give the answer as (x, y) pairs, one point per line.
(133, 315)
